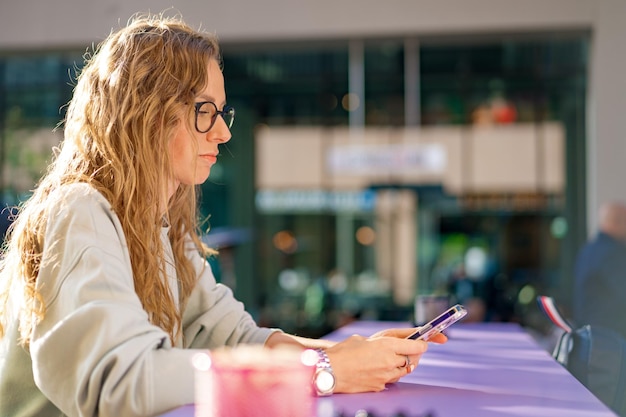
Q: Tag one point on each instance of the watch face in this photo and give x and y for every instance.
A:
(324, 381)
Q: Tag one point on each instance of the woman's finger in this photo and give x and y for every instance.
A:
(399, 333)
(438, 338)
(403, 333)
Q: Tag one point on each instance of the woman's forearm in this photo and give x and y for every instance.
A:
(279, 338)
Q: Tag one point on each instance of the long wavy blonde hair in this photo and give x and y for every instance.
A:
(128, 99)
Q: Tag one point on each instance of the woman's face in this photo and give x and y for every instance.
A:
(193, 153)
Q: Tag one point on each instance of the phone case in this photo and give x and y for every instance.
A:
(440, 323)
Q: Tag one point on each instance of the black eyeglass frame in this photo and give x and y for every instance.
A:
(227, 110)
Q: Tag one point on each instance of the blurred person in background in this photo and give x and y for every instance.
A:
(600, 271)
(105, 292)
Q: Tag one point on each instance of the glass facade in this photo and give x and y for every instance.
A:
(33, 91)
(526, 241)
(290, 86)
(541, 79)
(383, 64)
(311, 268)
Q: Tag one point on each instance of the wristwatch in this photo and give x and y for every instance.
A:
(324, 378)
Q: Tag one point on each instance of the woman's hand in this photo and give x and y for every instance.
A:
(404, 333)
(367, 364)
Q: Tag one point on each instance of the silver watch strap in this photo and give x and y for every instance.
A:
(323, 361)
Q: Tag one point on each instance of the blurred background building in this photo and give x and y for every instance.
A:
(382, 150)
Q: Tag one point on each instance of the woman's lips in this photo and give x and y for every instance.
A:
(212, 158)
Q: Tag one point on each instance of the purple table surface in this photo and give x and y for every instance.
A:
(484, 370)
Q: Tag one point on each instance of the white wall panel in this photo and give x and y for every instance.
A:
(37, 23)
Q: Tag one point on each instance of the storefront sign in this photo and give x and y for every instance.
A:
(314, 201)
(394, 158)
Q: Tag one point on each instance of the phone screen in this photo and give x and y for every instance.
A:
(439, 323)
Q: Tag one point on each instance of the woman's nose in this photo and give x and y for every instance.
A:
(220, 131)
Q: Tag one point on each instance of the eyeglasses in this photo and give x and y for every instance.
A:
(206, 115)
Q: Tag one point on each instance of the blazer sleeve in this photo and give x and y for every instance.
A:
(95, 352)
(213, 317)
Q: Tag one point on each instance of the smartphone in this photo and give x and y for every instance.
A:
(440, 323)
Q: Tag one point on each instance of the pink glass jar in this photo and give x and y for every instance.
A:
(252, 381)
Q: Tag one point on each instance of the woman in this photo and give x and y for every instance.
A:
(106, 291)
